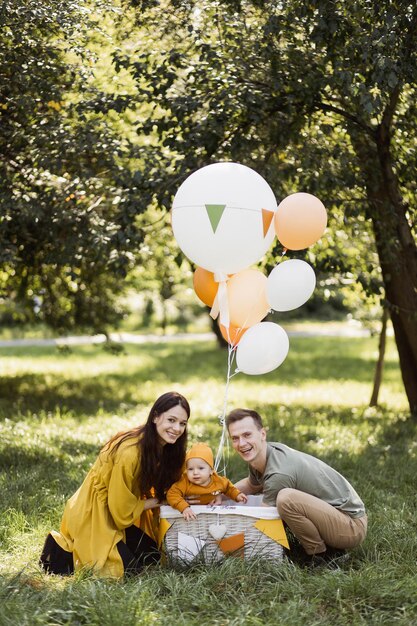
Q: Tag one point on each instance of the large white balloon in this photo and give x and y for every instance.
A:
(222, 217)
(290, 284)
(262, 348)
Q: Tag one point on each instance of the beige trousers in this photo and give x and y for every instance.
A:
(317, 524)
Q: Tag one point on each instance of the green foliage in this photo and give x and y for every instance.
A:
(163, 277)
(58, 409)
(68, 210)
(317, 97)
(238, 89)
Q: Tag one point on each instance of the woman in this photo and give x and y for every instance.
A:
(108, 524)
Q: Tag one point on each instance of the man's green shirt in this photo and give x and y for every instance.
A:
(286, 467)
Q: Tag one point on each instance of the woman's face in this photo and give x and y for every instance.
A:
(171, 424)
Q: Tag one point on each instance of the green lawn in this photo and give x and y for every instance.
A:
(57, 408)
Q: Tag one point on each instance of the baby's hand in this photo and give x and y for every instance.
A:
(242, 498)
(217, 500)
(188, 514)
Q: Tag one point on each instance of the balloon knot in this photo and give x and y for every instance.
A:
(220, 277)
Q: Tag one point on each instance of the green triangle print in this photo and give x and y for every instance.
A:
(215, 212)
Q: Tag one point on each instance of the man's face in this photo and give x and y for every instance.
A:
(247, 439)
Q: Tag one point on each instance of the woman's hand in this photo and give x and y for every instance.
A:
(151, 503)
(192, 499)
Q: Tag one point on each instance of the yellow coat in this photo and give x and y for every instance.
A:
(107, 502)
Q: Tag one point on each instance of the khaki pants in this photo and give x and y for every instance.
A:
(317, 524)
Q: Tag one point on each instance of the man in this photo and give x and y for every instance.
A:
(318, 504)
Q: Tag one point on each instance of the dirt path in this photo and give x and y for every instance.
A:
(316, 331)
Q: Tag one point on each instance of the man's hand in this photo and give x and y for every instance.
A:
(188, 514)
(246, 487)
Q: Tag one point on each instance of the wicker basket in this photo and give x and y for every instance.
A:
(199, 540)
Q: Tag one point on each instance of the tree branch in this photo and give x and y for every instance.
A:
(348, 116)
(409, 47)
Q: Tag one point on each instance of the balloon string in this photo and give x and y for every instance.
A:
(231, 353)
(220, 455)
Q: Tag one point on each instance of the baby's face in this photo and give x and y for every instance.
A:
(199, 472)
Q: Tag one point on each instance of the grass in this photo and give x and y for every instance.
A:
(58, 407)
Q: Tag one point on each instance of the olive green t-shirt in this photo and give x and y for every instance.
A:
(286, 467)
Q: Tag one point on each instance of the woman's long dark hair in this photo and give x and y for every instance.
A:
(160, 466)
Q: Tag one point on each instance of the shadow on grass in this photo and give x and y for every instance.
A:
(53, 460)
(120, 384)
(62, 463)
(383, 472)
(33, 477)
(36, 393)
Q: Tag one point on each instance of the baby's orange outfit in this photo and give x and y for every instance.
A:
(183, 488)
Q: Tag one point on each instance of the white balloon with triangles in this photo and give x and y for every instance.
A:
(222, 217)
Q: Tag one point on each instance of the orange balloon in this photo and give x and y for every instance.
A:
(246, 292)
(205, 286)
(300, 221)
(233, 334)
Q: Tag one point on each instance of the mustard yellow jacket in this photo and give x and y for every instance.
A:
(218, 484)
(96, 516)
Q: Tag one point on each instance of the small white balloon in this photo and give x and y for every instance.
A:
(290, 285)
(222, 217)
(262, 348)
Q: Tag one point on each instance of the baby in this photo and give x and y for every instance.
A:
(201, 481)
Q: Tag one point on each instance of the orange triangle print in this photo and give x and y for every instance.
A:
(233, 545)
(267, 217)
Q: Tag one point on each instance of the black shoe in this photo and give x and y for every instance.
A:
(337, 553)
(315, 561)
(330, 559)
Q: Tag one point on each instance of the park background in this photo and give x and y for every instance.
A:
(106, 107)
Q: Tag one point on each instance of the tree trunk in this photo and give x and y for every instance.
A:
(380, 363)
(396, 249)
(215, 328)
(164, 318)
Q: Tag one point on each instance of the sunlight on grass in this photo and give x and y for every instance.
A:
(57, 409)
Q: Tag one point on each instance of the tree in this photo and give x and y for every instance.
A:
(380, 363)
(163, 275)
(317, 96)
(68, 207)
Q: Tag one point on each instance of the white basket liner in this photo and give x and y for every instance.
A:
(230, 507)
